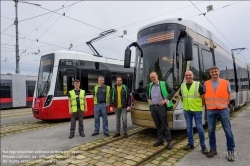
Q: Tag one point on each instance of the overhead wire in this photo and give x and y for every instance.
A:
(8, 18)
(49, 12)
(35, 40)
(20, 63)
(130, 24)
(43, 22)
(7, 28)
(215, 27)
(122, 26)
(215, 9)
(48, 28)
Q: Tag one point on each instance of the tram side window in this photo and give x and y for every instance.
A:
(194, 64)
(243, 85)
(208, 62)
(64, 83)
(222, 65)
(89, 81)
(5, 91)
(126, 79)
(31, 89)
(230, 74)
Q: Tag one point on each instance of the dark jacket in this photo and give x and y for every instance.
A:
(125, 97)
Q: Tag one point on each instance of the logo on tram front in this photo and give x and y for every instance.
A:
(37, 103)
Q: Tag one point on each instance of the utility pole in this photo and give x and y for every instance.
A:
(17, 38)
(17, 42)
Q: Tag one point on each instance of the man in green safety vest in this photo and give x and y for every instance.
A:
(120, 98)
(77, 107)
(191, 93)
(101, 101)
(159, 102)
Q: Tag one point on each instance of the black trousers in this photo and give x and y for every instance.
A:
(159, 114)
(80, 115)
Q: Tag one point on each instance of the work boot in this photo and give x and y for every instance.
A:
(71, 135)
(211, 153)
(82, 135)
(106, 134)
(204, 150)
(169, 146)
(158, 143)
(230, 156)
(94, 134)
(188, 147)
(116, 135)
(125, 135)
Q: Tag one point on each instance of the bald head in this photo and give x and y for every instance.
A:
(189, 76)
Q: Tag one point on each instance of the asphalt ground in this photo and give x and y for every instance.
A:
(241, 131)
(54, 138)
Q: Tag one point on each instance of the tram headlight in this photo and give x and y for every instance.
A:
(48, 101)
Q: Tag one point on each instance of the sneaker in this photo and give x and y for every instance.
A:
(158, 143)
(82, 135)
(169, 146)
(125, 135)
(71, 136)
(204, 150)
(116, 135)
(188, 147)
(107, 134)
(211, 153)
(230, 156)
(94, 134)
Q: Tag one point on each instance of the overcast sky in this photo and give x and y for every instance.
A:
(93, 17)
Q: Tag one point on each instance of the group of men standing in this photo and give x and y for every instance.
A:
(118, 96)
(215, 95)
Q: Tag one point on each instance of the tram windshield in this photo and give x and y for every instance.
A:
(45, 75)
(159, 55)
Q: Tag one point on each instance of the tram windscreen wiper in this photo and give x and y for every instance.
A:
(170, 70)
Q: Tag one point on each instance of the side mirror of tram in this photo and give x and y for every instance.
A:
(188, 41)
(127, 58)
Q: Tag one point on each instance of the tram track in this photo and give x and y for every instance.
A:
(137, 149)
(15, 128)
(15, 112)
(144, 161)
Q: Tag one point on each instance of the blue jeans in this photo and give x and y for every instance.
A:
(101, 108)
(212, 116)
(189, 115)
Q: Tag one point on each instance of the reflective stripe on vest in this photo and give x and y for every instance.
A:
(73, 100)
(218, 99)
(191, 98)
(107, 94)
(164, 92)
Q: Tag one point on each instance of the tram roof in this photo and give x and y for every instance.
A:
(194, 26)
(111, 64)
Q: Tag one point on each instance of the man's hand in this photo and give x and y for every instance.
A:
(70, 112)
(163, 102)
(111, 109)
(86, 110)
(150, 101)
(128, 108)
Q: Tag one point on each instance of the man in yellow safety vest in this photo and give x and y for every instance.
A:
(77, 106)
(191, 93)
